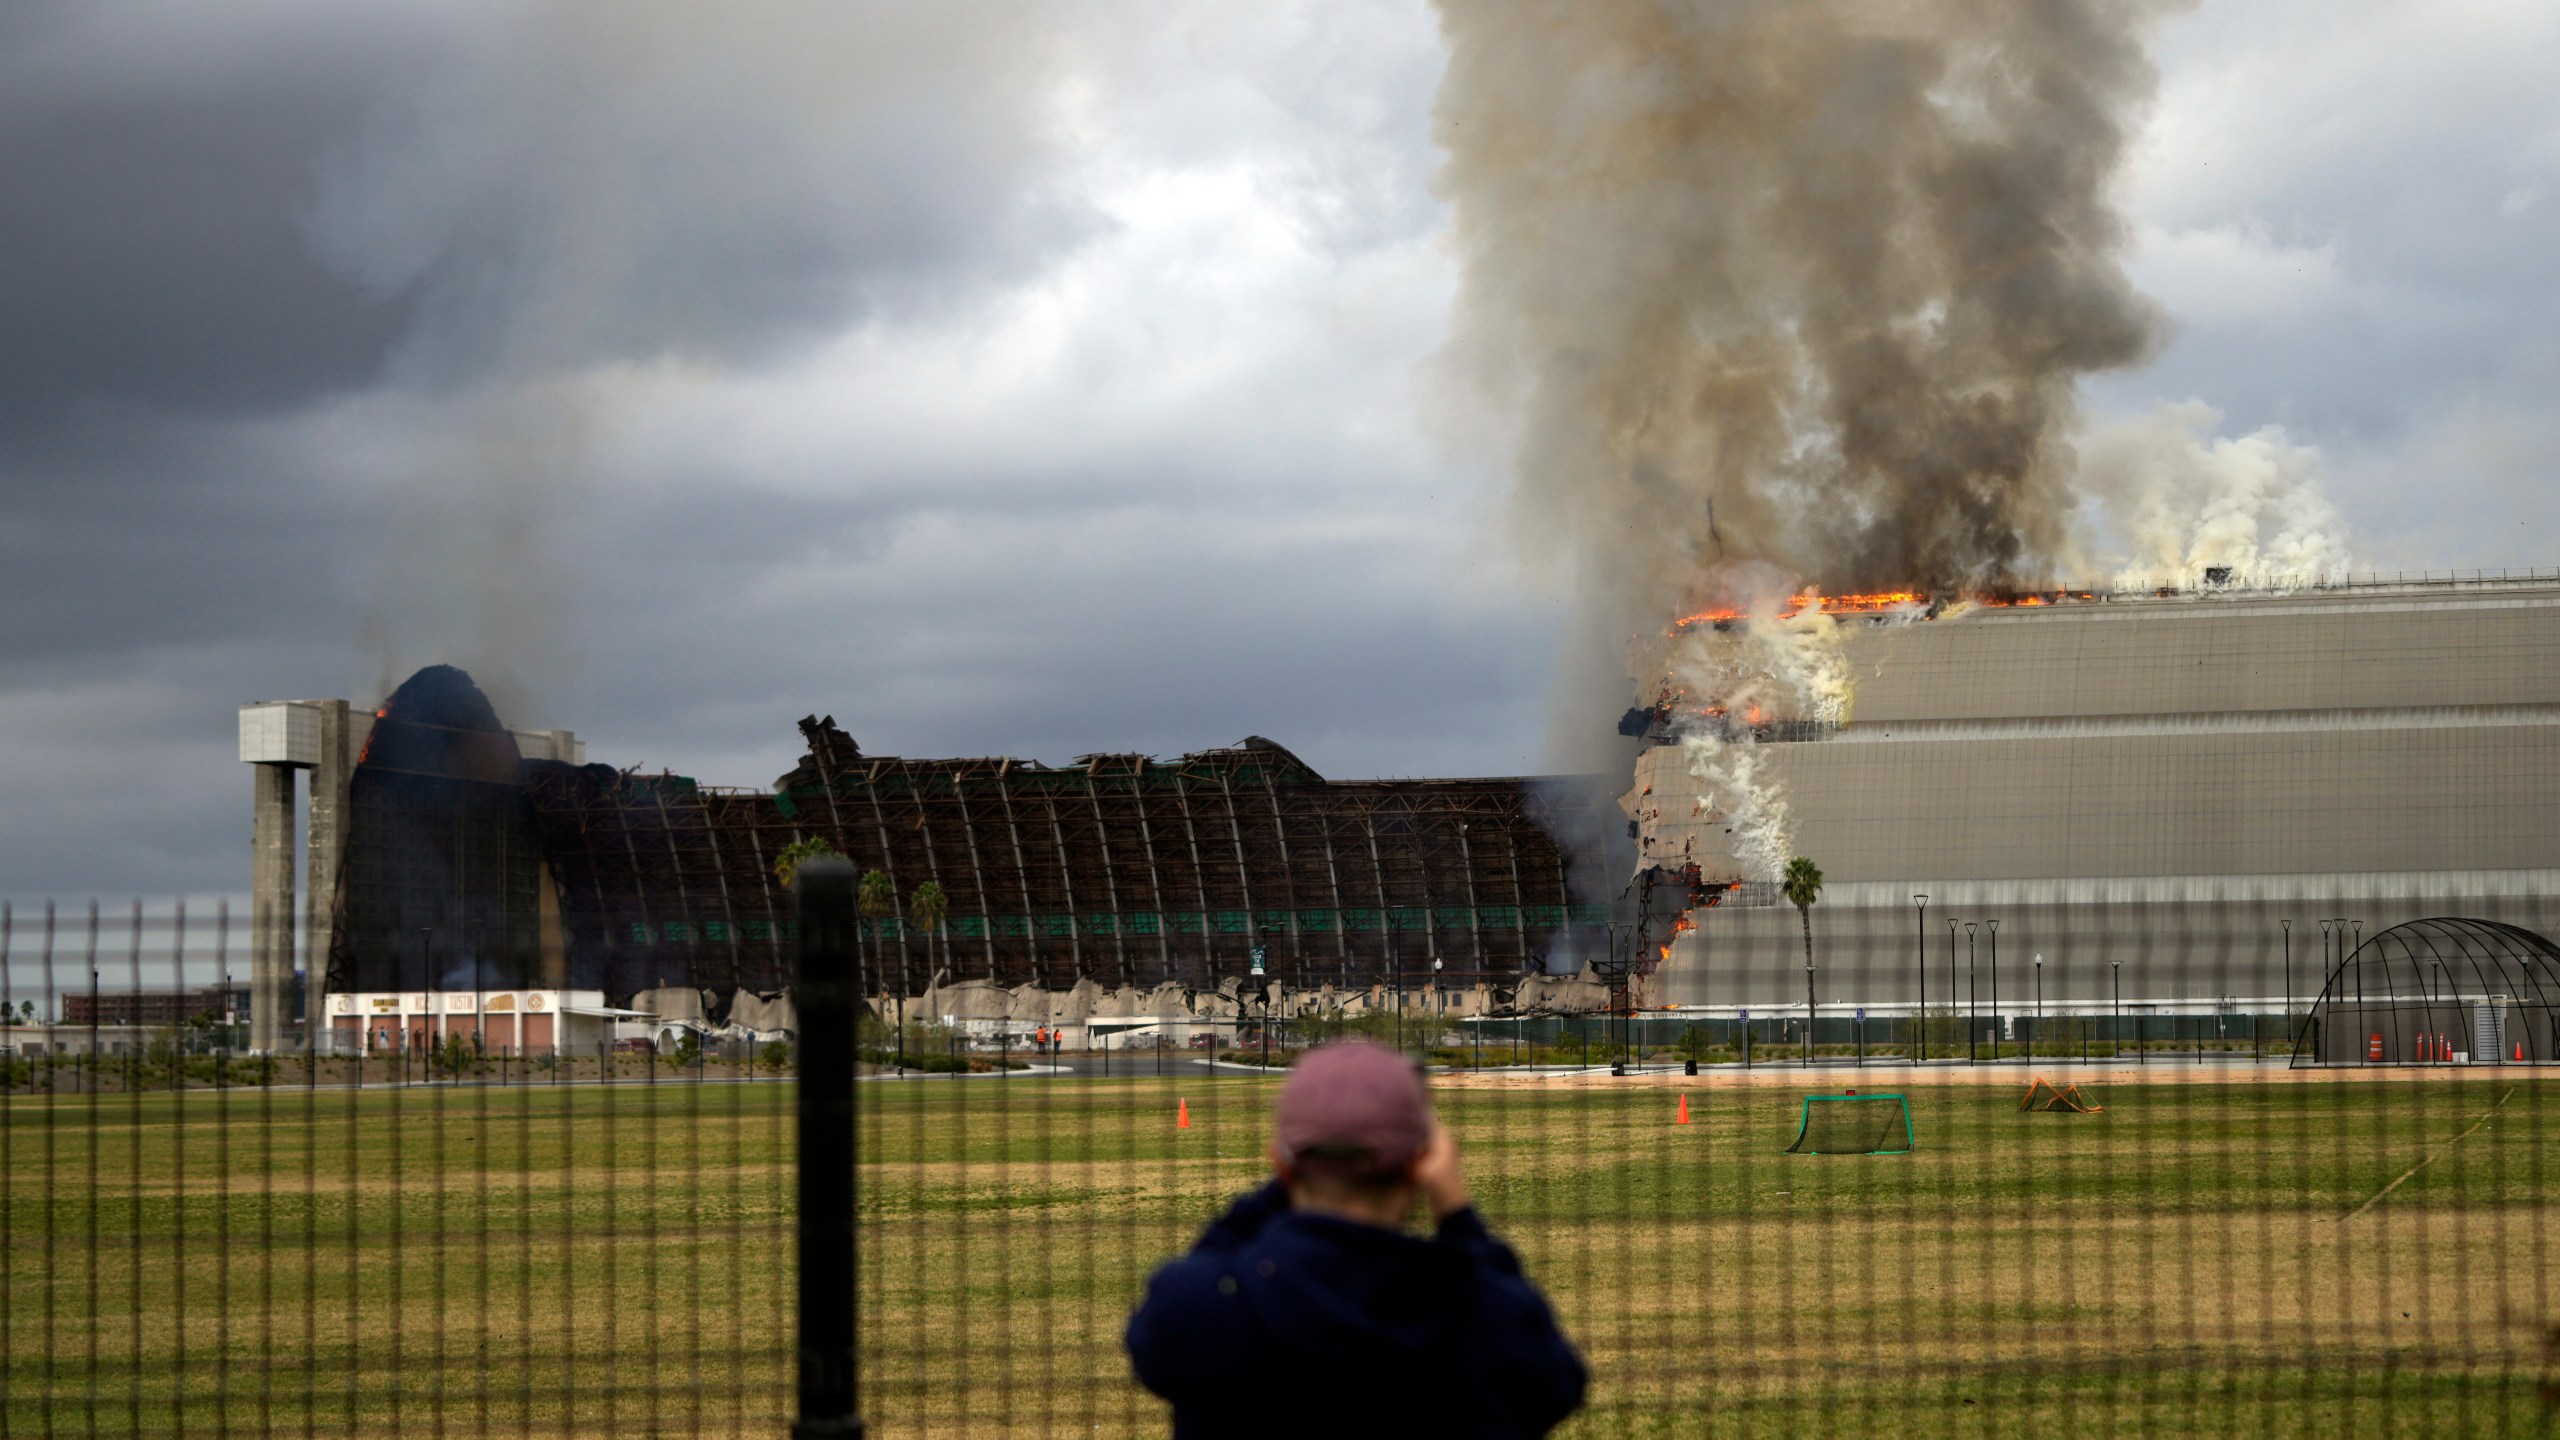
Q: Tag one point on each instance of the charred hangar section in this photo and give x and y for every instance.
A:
(1121, 869)
(442, 884)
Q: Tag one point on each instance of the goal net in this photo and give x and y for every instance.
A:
(1854, 1125)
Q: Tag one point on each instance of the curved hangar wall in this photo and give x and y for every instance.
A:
(2156, 781)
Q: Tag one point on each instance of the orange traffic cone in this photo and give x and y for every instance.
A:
(1182, 1116)
(2519, 1052)
(1684, 1110)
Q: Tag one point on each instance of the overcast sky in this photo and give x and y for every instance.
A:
(1001, 379)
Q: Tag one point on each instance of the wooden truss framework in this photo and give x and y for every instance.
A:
(1121, 869)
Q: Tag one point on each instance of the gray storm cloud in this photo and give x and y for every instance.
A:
(581, 200)
(1803, 286)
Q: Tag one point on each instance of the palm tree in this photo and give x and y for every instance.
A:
(807, 848)
(874, 900)
(1802, 885)
(929, 907)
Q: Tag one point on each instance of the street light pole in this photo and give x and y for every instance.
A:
(2325, 967)
(2000, 1027)
(1435, 1003)
(1972, 992)
(2039, 1035)
(1808, 1014)
(1619, 958)
(2115, 1039)
(1920, 1012)
(1952, 925)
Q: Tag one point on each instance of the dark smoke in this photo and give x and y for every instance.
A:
(1802, 282)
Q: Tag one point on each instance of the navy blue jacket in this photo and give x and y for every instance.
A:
(1282, 1323)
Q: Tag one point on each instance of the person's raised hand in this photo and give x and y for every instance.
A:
(1436, 1174)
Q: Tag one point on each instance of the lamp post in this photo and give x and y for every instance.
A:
(1619, 960)
(426, 979)
(2352, 930)
(1999, 1027)
(2325, 968)
(1808, 1014)
(1395, 977)
(1435, 1007)
(1920, 1012)
(2115, 1037)
(2039, 1033)
(1972, 993)
(1952, 926)
(2288, 980)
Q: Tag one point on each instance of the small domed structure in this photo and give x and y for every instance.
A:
(2439, 991)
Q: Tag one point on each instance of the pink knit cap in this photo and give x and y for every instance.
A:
(1354, 1109)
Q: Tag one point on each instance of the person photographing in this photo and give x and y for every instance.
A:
(1308, 1308)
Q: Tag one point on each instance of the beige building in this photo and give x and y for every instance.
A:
(501, 1022)
(2141, 790)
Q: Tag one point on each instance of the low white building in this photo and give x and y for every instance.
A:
(505, 1022)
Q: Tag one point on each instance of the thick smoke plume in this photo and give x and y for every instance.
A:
(1802, 282)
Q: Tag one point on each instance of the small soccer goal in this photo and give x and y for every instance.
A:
(2044, 1095)
(1854, 1125)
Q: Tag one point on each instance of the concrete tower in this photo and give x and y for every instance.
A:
(277, 738)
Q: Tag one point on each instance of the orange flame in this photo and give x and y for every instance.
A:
(1829, 605)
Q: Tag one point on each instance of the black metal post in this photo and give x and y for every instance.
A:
(1952, 926)
(1922, 1013)
(824, 980)
(1808, 1014)
(1998, 1026)
(2115, 1034)
(1972, 993)
(1435, 1007)
(2038, 1036)
(1395, 977)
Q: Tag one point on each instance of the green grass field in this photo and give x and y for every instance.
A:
(2203, 1258)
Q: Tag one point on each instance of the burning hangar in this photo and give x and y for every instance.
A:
(2191, 801)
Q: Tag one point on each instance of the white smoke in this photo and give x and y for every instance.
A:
(2181, 502)
(1749, 798)
(1765, 666)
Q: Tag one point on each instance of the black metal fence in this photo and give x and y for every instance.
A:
(943, 1232)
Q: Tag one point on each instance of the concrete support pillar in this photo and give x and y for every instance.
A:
(270, 906)
(324, 852)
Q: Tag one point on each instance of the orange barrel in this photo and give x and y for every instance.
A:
(2373, 1047)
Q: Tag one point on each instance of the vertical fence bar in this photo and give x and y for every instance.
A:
(824, 986)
